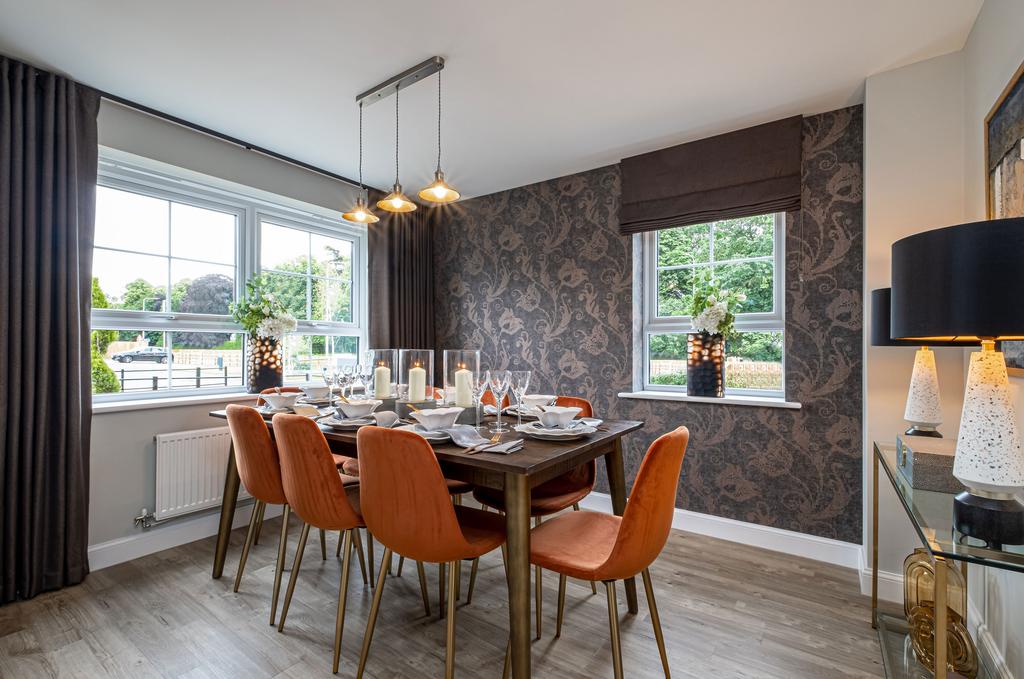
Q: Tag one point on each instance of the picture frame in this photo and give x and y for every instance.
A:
(1004, 176)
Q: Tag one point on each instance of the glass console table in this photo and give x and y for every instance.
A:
(931, 514)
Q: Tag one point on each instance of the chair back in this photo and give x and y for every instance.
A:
(648, 517)
(404, 497)
(586, 410)
(308, 473)
(271, 390)
(255, 454)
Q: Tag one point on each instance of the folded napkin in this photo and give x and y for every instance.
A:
(490, 410)
(504, 448)
(385, 418)
(465, 435)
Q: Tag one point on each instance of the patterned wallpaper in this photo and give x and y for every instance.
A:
(539, 278)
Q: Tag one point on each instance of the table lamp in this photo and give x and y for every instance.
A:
(965, 284)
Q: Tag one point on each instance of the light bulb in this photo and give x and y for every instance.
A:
(360, 215)
(439, 191)
(396, 202)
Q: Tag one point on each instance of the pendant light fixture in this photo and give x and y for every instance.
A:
(396, 201)
(439, 191)
(360, 212)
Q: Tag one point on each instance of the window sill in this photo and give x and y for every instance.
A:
(756, 401)
(104, 407)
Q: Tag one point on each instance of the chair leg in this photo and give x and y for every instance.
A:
(341, 538)
(508, 660)
(369, 554)
(441, 571)
(423, 587)
(259, 525)
(449, 657)
(538, 590)
(323, 545)
(359, 552)
(374, 609)
(282, 549)
(295, 573)
(339, 621)
(593, 585)
(613, 624)
(472, 581)
(655, 620)
(249, 536)
(401, 562)
(561, 605)
(458, 580)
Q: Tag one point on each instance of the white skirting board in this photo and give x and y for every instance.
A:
(172, 534)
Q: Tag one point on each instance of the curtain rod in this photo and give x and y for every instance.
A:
(142, 108)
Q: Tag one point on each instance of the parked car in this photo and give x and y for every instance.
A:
(155, 354)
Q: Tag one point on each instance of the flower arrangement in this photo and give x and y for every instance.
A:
(261, 313)
(713, 310)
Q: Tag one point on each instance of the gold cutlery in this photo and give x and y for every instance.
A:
(494, 440)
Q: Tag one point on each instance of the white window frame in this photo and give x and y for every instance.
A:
(125, 171)
(652, 324)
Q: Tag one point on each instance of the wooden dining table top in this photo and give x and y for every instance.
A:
(539, 460)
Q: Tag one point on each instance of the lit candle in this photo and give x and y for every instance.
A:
(463, 387)
(382, 381)
(417, 384)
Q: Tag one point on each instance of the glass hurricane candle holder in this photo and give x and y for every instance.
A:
(705, 365)
(416, 374)
(461, 368)
(384, 363)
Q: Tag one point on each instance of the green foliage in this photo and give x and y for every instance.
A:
(209, 294)
(259, 305)
(141, 295)
(712, 307)
(756, 346)
(104, 381)
(100, 339)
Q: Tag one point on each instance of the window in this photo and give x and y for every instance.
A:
(173, 251)
(744, 254)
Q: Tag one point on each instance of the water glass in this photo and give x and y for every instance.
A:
(480, 383)
(498, 385)
(519, 383)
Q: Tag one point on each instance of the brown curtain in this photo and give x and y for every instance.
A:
(738, 174)
(402, 280)
(48, 155)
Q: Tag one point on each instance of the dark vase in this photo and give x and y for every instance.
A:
(265, 368)
(705, 365)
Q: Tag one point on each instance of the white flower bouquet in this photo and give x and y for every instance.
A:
(261, 313)
(713, 310)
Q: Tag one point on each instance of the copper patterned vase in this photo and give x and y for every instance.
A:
(265, 367)
(705, 364)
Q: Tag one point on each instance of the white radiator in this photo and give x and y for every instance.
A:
(190, 471)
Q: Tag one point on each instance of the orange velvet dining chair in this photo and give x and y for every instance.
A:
(405, 503)
(601, 547)
(317, 494)
(551, 497)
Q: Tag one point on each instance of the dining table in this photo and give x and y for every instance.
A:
(514, 474)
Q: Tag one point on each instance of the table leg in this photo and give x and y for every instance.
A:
(617, 486)
(874, 541)
(517, 523)
(941, 616)
(227, 512)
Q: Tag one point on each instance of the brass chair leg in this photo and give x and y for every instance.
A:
(441, 572)
(282, 548)
(472, 581)
(295, 573)
(593, 585)
(449, 657)
(369, 554)
(561, 605)
(249, 535)
(613, 624)
(458, 580)
(374, 609)
(538, 590)
(323, 545)
(423, 587)
(359, 552)
(508, 660)
(259, 524)
(655, 620)
(341, 538)
(401, 562)
(339, 621)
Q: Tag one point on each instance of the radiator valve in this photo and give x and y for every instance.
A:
(144, 519)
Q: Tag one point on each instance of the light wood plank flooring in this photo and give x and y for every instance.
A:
(727, 611)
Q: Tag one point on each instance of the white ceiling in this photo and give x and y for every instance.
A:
(534, 89)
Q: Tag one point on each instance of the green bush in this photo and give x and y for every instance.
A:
(104, 381)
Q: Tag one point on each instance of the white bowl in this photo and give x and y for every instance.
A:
(437, 418)
(558, 416)
(532, 401)
(280, 401)
(356, 409)
(316, 392)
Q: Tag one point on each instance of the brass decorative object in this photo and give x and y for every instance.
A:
(705, 364)
(266, 368)
(919, 607)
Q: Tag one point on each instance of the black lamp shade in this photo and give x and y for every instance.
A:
(960, 283)
(881, 320)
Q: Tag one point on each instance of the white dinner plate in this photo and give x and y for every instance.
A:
(318, 402)
(535, 430)
(346, 424)
(431, 436)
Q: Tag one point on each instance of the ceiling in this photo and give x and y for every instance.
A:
(534, 89)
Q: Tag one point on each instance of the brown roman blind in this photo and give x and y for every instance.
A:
(737, 174)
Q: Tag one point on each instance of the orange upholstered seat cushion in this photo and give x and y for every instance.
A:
(483, 531)
(576, 544)
(458, 487)
(549, 497)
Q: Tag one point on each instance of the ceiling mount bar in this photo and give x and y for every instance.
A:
(408, 77)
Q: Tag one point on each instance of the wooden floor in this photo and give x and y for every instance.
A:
(727, 610)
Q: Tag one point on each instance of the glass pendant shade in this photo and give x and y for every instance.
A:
(396, 201)
(360, 213)
(439, 191)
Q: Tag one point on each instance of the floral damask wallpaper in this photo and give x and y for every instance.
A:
(539, 278)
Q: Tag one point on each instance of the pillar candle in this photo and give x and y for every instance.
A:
(382, 381)
(463, 388)
(417, 384)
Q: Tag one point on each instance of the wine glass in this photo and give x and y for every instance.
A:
(499, 387)
(346, 378)
(519, 382)
(480, 382)
(329, 380)
(365, 376)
